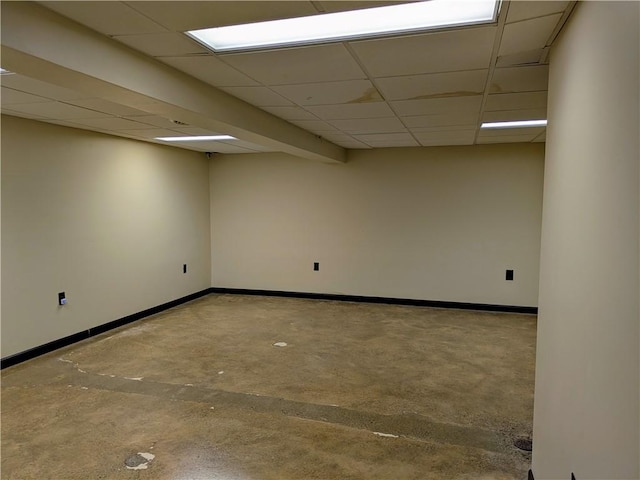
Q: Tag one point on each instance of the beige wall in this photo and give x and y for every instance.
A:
(423, 223)
(110, 221)
(587, 367)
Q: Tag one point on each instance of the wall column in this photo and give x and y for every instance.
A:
(586, 415)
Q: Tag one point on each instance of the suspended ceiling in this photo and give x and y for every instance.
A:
(127, 68)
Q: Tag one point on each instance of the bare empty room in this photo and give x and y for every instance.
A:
(320, 240)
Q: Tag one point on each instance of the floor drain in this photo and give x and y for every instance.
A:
(524, 443)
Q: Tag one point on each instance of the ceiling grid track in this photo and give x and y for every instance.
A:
(502, 21)
(139, 12)
(375, 84)
(565, 16)
(432, 87)
(541, 134)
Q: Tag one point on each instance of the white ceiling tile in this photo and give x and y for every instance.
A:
(385, 140)
(441, 129)
(194, 131)
(527, 35)
(352, 110)
(330, 93)
(520, 79)
(288, 66)
(110, 18)
(513, 101)
(290, 113)
(523, 58)
(447, 51)
(9, 96)
(436, 85)
(512, 115)
(315, 126)
(449, 137)
(509, 132)
(258, 96)
(442, 120)
(370, 125)
(210, 69)
(57, 110)
(434, 81)
(43, 89)
(438, 105)
(341, 6)
(104, 106)
(525, 9)
(506, 139)
(190, 15)
(166, 44)
(113, 123)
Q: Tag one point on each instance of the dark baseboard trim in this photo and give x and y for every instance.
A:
(386, 300)
(76, 337)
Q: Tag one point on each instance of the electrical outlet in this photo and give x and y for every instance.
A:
(62, 299)
(509, 275)
(316, 266)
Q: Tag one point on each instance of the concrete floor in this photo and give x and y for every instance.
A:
(360, 391)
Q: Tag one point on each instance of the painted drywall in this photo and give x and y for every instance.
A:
(587, 367)
(107, 220)
(440, 223)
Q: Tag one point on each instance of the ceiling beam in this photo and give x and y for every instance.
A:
(41, 44)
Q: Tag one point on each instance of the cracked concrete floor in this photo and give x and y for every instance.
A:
(202, 391)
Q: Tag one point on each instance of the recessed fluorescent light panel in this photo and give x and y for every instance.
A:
(355, 24)
(518, 124)
(199, 138)
(5, 72)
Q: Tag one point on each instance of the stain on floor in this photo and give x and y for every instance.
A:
(367, 391)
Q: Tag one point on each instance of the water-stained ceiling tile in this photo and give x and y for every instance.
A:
(436, 85)
(330, 93)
